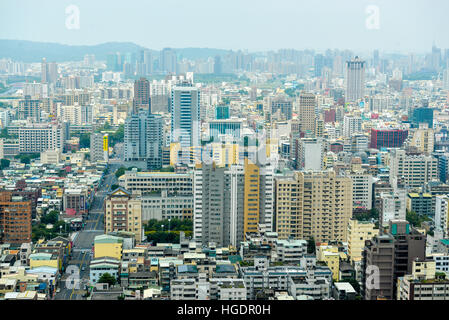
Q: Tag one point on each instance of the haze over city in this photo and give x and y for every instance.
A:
(404, 26)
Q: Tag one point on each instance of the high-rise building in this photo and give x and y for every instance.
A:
(351, 125)
(358, 233)
(307, 112)
(378, 255)
(412, 170)
(280, 108)
(423, 139)
(123, 212)
(15, 219)
(185, 118)
(144, 63)
(310, 154)
(39, 137)
(52, 76)
(446, 79)
(318, 64)
(387, 138)
(355, 80)
(393, 255)
(409, 244)
(114, 62)
(49, 71)
(230, 202)
(362, 190)
(99, 147)
(218, 68)
(168, 61)
(375, 58)
(141, 99)
(144, 139)
(422, 115)
(393, 206)
(313, 205)
(441, 217)
(44, 70)
(29, 109)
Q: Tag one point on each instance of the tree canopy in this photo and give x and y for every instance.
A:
(85, 140)
(107, 278)
(416, 219)
(174, 224)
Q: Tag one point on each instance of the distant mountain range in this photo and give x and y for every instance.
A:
(30, 51)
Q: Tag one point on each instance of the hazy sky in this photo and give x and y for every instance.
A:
(404, 25)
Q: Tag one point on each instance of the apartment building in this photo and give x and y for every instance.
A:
(423, 139)
(313, 204)
(231, 202)
(123, 212)
(39, 137)
(99, 147)
(441, 218)
(412, 170)
(75, 201)
(362, 190)
(358, 233)
(213, 289)
(261, 277)
(378, 264)
(289, 251)
(441, 261)
(318, 288)
(423, 283)
(307, 112)
(15, 219)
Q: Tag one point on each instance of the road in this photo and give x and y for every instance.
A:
(83, 243)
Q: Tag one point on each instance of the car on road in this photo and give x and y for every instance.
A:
(83, 268)
(58, 290)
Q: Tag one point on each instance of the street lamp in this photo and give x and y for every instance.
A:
(60, 228)
(169, 224)
(162, 228)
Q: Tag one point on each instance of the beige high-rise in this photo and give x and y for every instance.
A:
(122, 212)
(307, 116)
(313, 204)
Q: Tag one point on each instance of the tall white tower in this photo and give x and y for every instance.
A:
(355, 79)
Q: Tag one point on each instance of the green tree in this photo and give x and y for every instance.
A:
(174, 225)
(119, 135)
(85, 140)
(163, 237)
(4, 133)
(416, 219)
(120, 172)
(107, 278)
(311, 245)
(355, 284)
(291, 92)
(25, 160)
(4, 163)
(51, 218)
(368, 215)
